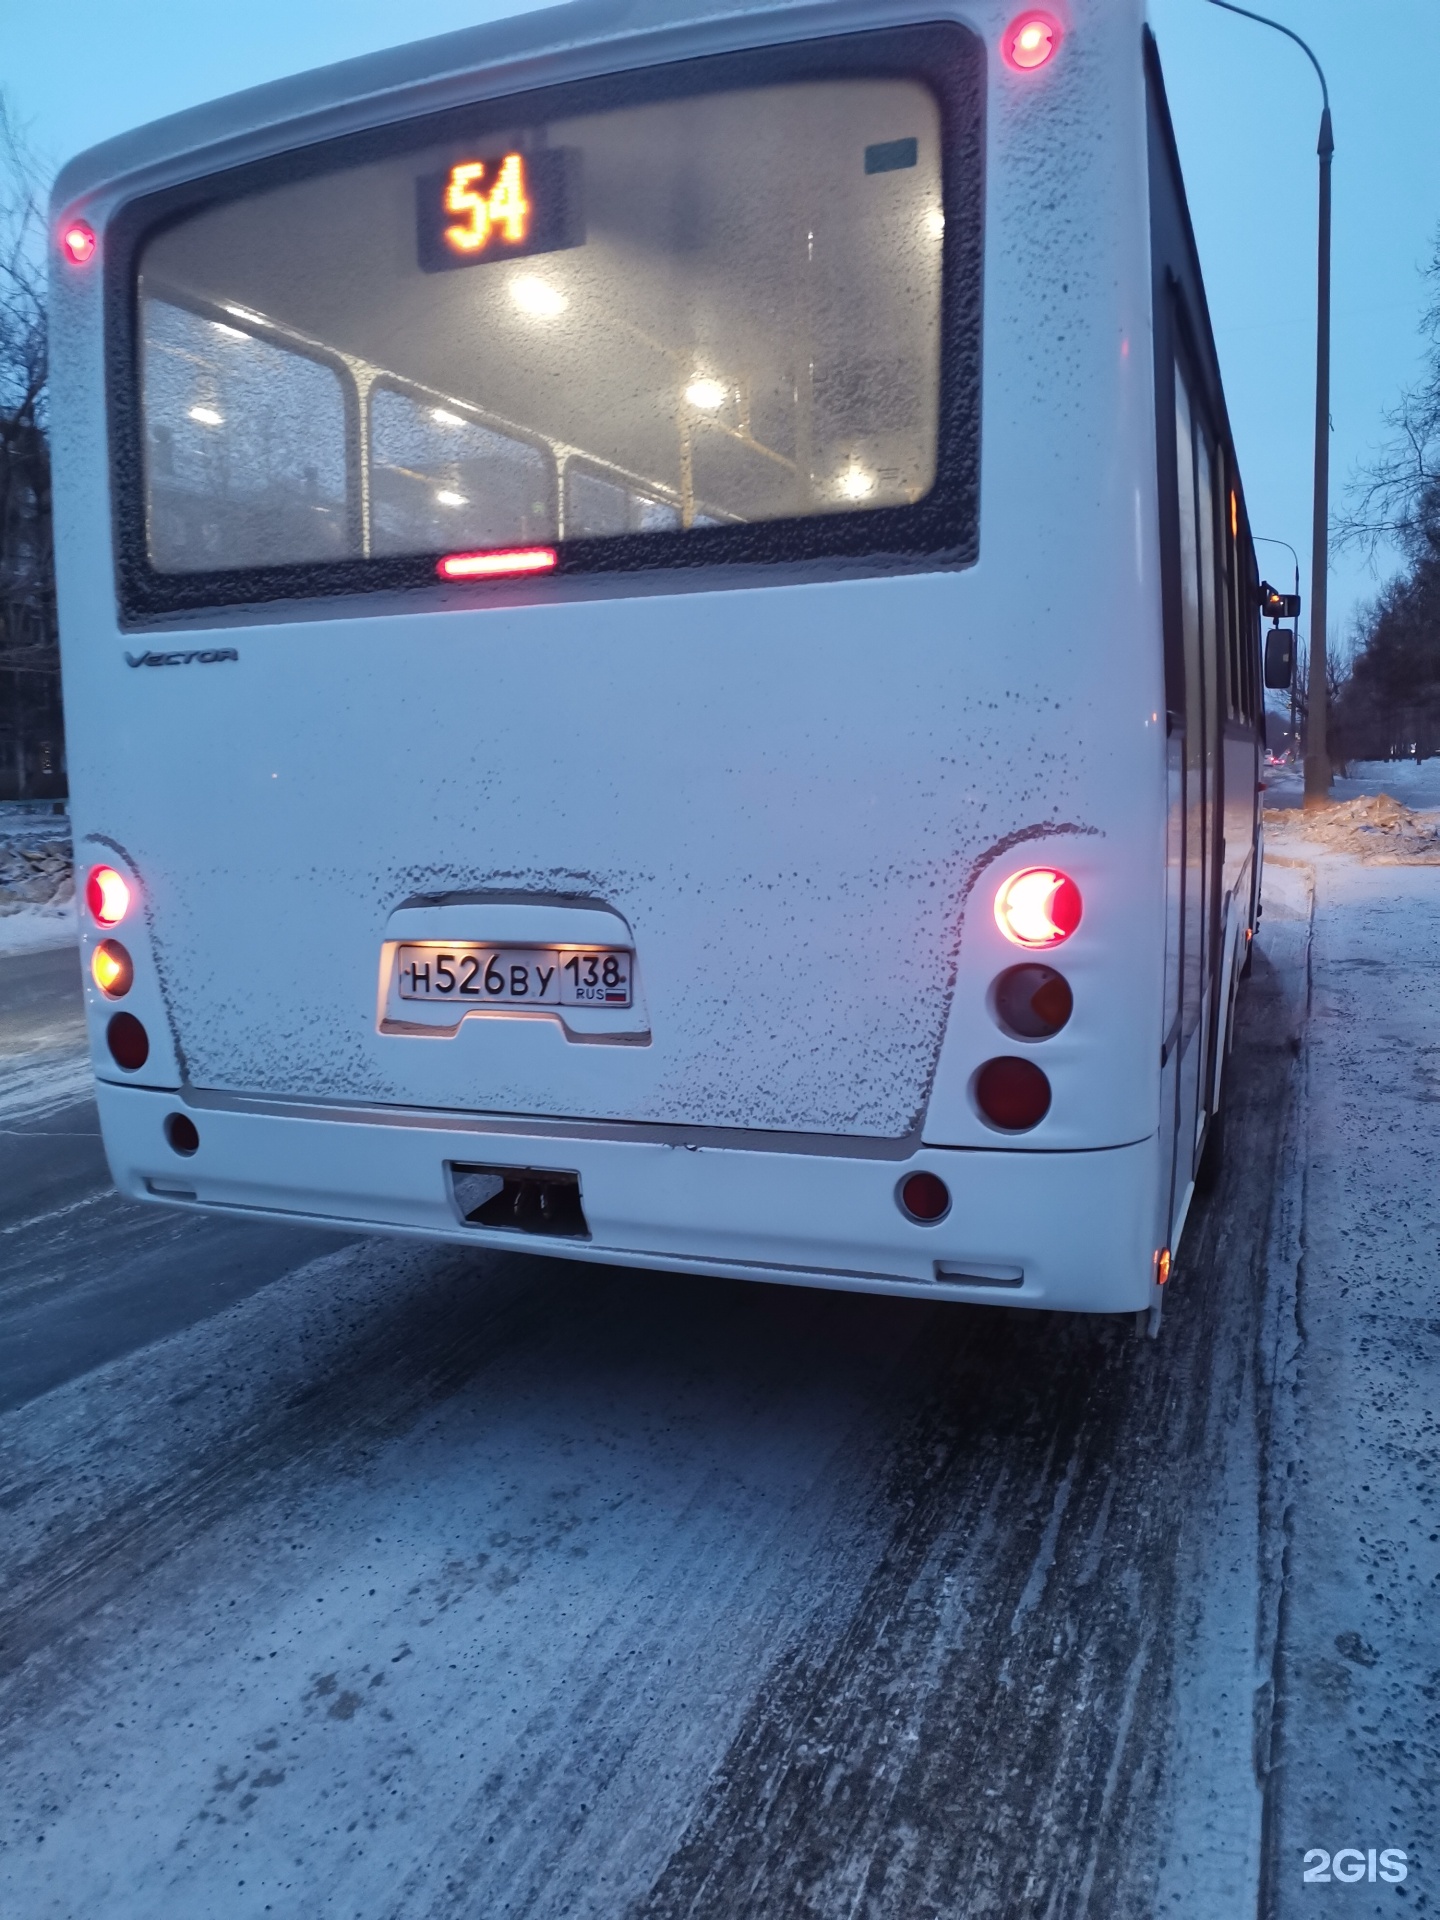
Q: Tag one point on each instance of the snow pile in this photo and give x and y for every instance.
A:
(37, 882)
(1375, 827)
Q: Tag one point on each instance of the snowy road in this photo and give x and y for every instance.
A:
(348, 1579)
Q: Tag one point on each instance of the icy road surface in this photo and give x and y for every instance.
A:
(338, 1579)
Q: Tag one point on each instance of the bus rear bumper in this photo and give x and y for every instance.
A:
(1071, 1231)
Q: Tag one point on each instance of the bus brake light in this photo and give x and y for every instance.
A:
(495, 566)
(1030, 41)
(1038, 907)
(107, 894)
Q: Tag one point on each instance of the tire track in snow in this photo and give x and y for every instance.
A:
(991, 1727)
(900, 1624)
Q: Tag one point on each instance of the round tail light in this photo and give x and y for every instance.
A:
(1032, 1002)
(128, 1042)
(1038, 907)
(1012, 1094)
(181, 1133)
(107, 894)
(112, 969)
(924, 1197)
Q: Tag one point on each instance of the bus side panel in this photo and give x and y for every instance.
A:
(1070, 518)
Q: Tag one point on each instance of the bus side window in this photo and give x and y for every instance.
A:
(597, 505)
(441, 478)
(245, 457)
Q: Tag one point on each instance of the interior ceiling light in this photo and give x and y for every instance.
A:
(207, 416)
(537, 297)
(449, 498)
(856, 483)
(1030, 41)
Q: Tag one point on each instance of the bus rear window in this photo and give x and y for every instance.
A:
(651, 322)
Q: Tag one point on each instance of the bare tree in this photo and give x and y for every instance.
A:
(1395, 498)
(31, 749)
(1389, 705)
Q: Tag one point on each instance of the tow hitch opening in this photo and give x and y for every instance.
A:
(520, 1200)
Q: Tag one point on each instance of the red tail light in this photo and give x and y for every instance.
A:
(108, 896)
(128, 1042)
(495, 566)
(924, 1197)
(1038, 907)
(1030, 41)
(1012, 1094)
(78, 242)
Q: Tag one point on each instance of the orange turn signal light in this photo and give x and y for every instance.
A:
(112, 969)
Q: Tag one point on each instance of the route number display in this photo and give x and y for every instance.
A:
(499, 206)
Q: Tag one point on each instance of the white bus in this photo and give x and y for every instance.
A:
(660, 647)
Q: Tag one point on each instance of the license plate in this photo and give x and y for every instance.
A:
(475, 976)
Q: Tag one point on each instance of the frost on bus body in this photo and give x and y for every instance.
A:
(571, 510)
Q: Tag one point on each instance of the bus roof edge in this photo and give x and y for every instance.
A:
(224, 129)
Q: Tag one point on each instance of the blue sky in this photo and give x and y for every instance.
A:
(1246, 107)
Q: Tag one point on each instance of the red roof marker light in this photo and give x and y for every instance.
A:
(496, 566)
(1030, 41)
(78, 242)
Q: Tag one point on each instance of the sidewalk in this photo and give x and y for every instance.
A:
(1356, 1762)
(1412, 785)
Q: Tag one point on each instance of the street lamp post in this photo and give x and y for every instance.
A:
(1317, 752)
